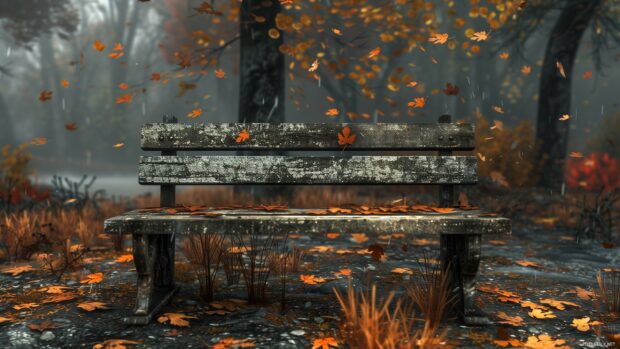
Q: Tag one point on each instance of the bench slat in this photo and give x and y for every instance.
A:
(307, 170)
(307, 136)
(139, 223)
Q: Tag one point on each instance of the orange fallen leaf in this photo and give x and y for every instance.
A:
(544, 341)
(332, 235)
(540, 314)
(116, 55)
(194, 113)
(374, 52)
(314, 66)
(564, 117)
(243, 136)
(220, 73)
(584, 294)
(311, 279)
(176, 319)
(42, 326)
(5, 319)
(123, 86)
(118, 145)
(412, 84)
(59, 298)
(155, 76)
(575, 154)
(124, 98)
(54, 289)
(480, 36)
(15, 271)
(64, 83)
(332, 112)
(324, 343)
(343, 272)
(39, 141)
(443, 209)
(584, 324)
(92, 305)
(94, 278)
(45, 95)
(587, 75)
(510, 320)
(115, 344)
(526, 70)
(345, 137)
(118, 47)
(418, 102)
(498, 109)
(438, 38)
(559, 305)
(99, 46)
(25, 306)
(400, 270)
(359, 237)
(525, 263)
(504, 55)
(124, 258)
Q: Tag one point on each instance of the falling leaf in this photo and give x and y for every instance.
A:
(418, 102)
(345, 137)
(124, 98)
(314, 66)
(194, 113)
(45, 95)
(359, 237)
(564, 117)
(482, 157)
(243, 136)
(332, 112)
(510, 320)
(220, 73)
(126, 258)
(118, 47)
(39, 141)
(526, 70)
(118, 145)
(123, 86)
(42, 326)
(575, 154)
(540, 314)
(480, 36)
(71, 126)
(15, 271)
(155, 76)
(99, 46)
(560, 67)
(311, 279)
(92, 305)
(176, 319)
(504, 55)
(94, 278)
(115, 344)
(25, 306)
(451, 90)
(324, 343)
(64, 83)
(374, 52)
(337, 31)
(412, 84)
(587, 75)
(438, 38)
(116, 55)
(497, 125)
(343, 272)
(498, 109)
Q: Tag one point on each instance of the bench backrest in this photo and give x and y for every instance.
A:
(345, 168)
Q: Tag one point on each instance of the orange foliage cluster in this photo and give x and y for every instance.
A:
(15, 185)
(597, 171)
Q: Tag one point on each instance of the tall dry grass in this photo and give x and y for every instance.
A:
(370, 323)
(204, 251)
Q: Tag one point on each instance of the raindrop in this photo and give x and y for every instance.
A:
(602, 109)
(63, 103)
(8, 51)
(319, 81)
(143, 108)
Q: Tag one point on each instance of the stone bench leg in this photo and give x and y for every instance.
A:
(153, 257)
(461, 254)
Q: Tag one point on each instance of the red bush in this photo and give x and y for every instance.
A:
(595, 172)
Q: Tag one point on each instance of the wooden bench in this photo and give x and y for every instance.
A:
(154, 232)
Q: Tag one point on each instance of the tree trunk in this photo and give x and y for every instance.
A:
(261, 93)
(555, 90)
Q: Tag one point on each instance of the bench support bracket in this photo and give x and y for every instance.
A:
(461, 255)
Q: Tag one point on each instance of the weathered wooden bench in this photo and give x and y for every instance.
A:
(154, 233)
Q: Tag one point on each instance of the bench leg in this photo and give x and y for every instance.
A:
(461, 253)
(155, 288)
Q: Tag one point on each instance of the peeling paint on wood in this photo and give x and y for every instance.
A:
(307, 136)
(307, 170)
(295, 221)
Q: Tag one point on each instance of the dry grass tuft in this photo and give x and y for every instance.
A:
(372, 324)
(204, 251)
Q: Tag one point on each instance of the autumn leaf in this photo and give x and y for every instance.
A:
(544, 341)
(116, 55)
(39, 141)
(124, 258)
(345, 137)
(54, 289)
(480, 36)
(587, 75)
(220, 73)
(118, 145)
(559, 305)
(510, 320)
(359, 237)
(525, 263)
(564, 117)
(243, 136)
(42, 326)
(123, 86)
(332, 112)
(343, 272)
(498, 109)
(314, 66)
(311, 279)
(324, 343)
(584, 294)
(418, 102)
(118, 47)
(115, 344)
(71, 126)
(59, 297)
(442, 209)
(45, 95)
(412, 84)
(124, 98)
(99, 46)
(332, 235)
(584, 324)
(560, 67)
(155, 76)
(64, 83)
(451, 90)
(374, 52)
(504, 55)
(526, 70)
(540, 314)
(15, 271)
(400, 270)
(575, 154)
(94, 278)
(92, 305)
(194, 113)
(25, 306)
(5, 319)
(438, 38)
(481, 157)
(176, 319)
(337, 31)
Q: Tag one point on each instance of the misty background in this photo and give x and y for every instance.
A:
(151, 32)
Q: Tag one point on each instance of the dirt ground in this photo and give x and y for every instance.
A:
(533, 264)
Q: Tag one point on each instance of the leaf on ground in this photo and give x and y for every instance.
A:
(126, 258)
(332, 235)
(243, 136)
(42, 326)
(510, 320)
(540, 314)
(176, 319)
(324, 343)
(343, 272)
(401, 270)
(359, 237)
(438, 38)
(584, 294)
(525, 263)
(584, 324)
(418, 102)
(92, 305)
(94, 278)
(544, 341)
(25, 306)
(311, 279)
(15, 271)
(532, 305)
(559, 305)
(59, 297)
(5, 319)
(115, 344)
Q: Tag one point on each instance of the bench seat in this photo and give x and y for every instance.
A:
(305, 221)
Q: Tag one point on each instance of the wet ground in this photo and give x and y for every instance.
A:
(535, 264)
